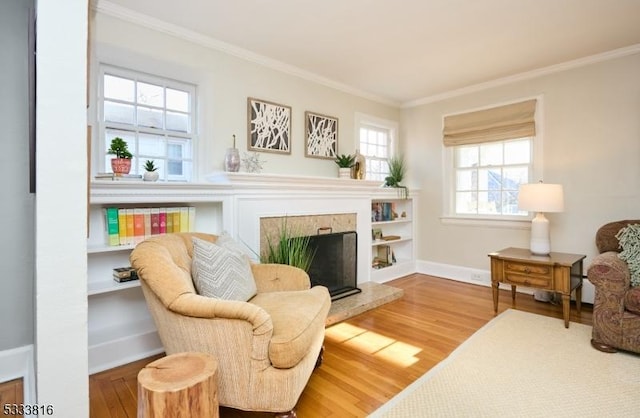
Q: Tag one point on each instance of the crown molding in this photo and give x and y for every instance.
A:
(581, 62)
(109, 8)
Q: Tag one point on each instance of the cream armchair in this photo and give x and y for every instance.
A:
(266, 348)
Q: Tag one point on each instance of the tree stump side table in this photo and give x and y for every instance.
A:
(179, 385)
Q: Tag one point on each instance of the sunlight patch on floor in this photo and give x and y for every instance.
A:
(369, 342)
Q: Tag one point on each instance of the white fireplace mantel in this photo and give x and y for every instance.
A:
(245, 198)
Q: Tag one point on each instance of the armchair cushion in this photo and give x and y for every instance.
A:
(220, 271)
(297, 316)
(632, 300)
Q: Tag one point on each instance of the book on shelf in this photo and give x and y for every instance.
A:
(184, 219)
(129, 226)
(391, 237)
(113, 232)
(138, 225)
(122, 226)
(118, 177)
(124, 274)
(146, 212)
(192, 219)
(175, 214)
(169, 218)
(155, 221)
(162, 221)
(384, 257)
(383, 211)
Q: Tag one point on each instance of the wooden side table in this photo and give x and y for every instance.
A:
(179, 385)
(556, 272)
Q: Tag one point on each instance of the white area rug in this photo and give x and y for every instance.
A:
(524, 365)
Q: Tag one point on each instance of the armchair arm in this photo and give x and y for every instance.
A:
(609, 274)
(193, 305)
(279, 277)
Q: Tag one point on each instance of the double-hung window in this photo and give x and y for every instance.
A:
(376, 139)
(154, 115)
(491, 153)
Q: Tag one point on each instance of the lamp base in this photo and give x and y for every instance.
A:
(540, 244)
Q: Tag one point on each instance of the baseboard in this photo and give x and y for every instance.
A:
(483, 277)
(110, 354)
(17, 363)
(461, 274)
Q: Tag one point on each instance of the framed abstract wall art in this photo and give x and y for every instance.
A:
(321, 134)
(268, 126)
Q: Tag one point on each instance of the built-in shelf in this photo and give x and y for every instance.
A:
(107, 286)
(389, 242)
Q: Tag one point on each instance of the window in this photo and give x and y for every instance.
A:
(488, 175)
(491, 152)
(376, 144)
(155, 116)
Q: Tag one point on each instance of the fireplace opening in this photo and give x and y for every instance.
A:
(335, 263)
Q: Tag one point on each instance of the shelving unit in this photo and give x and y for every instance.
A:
(118, 319)
(402, 247)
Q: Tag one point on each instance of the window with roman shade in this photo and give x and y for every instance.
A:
(491, 153)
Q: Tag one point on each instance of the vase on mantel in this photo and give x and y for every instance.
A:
(232, 158)
(359, 166)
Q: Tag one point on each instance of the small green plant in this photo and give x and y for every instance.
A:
(345, 160)
(397, 169)
(150, 166)
(120, 148)
(288, 249)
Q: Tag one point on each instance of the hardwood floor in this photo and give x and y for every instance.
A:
(368, 358)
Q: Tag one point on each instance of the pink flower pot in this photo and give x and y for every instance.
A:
(121, 165)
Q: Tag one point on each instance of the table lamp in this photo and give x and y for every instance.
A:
(540, 197)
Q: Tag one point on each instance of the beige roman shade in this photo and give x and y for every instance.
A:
(511, 121)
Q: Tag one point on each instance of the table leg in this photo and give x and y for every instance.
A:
(494, 288)
(579, 298)
(566, 299)
(513, 296)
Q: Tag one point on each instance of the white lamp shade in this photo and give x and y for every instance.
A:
(541, 197)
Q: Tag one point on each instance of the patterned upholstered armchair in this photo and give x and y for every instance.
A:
(616, 310)
(266, 347)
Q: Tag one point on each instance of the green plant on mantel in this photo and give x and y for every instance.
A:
(345, 160)
(288, 249)
(397, 170)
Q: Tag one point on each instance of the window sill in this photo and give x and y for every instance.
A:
(487, 222)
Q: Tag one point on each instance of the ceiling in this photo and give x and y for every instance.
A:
(402, 51)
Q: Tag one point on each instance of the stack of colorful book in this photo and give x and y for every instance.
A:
(129, 226)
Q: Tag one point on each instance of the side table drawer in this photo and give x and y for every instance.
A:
(529, 275)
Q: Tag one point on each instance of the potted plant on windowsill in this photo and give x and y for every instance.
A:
(122, 163)
(150, 171)
(345, 162)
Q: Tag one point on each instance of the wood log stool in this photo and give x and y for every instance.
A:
(179, 385)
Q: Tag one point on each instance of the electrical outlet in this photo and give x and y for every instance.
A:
(476, 277)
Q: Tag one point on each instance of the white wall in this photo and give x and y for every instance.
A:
(225, 82)
(17, 209)
(61, 210)
(591, 130)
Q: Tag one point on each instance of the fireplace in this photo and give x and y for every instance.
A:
(335, 263)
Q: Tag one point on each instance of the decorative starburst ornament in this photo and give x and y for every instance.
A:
(252, 162)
